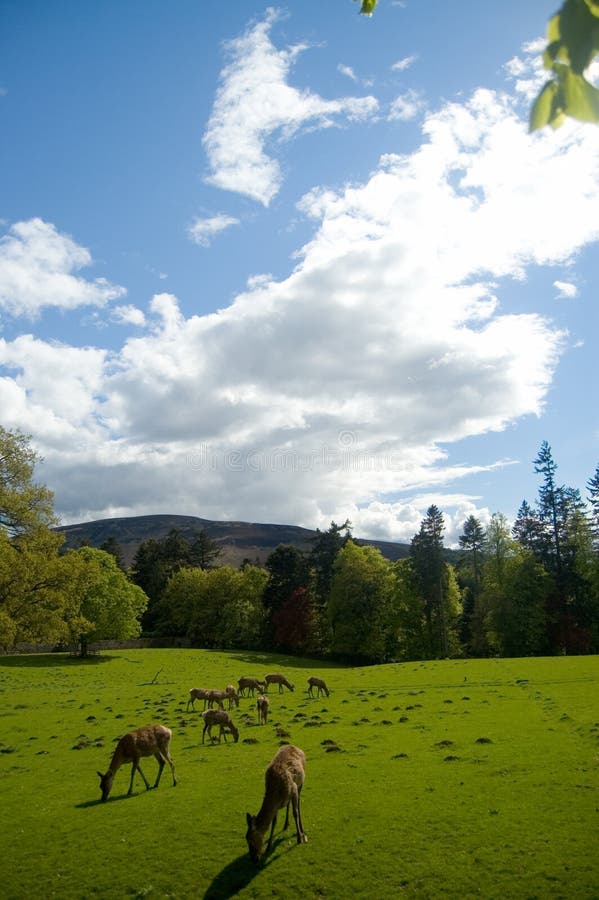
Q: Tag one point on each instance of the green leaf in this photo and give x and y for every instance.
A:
(553, 29)
(554, 52)
(593, 6)
(581, 99)
(543, 109)
(576, 25)
(367, 8)
(557, 121)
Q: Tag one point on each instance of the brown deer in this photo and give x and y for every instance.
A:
(196, 694)
(283, 780)
(151, 740)
(225, 724)
(232, 695)
(262, 705)
(277, 678)
(314, 682)
(208, 696)
(217, 697)
(251, 684)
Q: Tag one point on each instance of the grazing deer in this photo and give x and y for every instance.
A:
(262, 705)
(208, 696)
(277, 678)
(151, 740)
(317, 683)
(217, 697)
(196, 694)
(232, 695)
(225, 724)
(284, 780)
(252, 684)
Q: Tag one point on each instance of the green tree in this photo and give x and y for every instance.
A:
(412, 639)
(112, 546)
(360, 604)
(472, 542)
(529, 530)
(426, 552)
(24, 505)
(35, 590)
(110, 606)
(326, 547)
(215, 608)
(562, 513)
(154, 564)
(593, 497)
(499, 546)
(550, 506)
(204, 552)
(517, 620)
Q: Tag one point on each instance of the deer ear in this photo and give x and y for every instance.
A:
(248, 819)
(100, 775)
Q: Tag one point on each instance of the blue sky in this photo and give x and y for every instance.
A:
(285, 263)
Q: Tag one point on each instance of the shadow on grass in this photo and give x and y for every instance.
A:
(88, 803)
(255, 657)
(233, 878)
(114, 798)
(238, 874)
(51, 660)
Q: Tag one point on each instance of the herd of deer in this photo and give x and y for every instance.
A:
(284, 776)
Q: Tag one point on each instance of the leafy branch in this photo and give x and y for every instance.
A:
(572, 45)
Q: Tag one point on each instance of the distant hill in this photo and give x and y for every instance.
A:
(237, 540)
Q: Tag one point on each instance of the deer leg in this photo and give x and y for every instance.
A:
(204, 732)
(297, 815)
(272, 828)
(160, 759)
(137, 766)
(169, 760)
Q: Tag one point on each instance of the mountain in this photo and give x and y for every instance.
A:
(238, 541)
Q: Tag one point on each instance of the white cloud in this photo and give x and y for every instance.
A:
(255, 102)
(128, 315)
(527, 71)
(347, 71)
(402, 64)
(37, 263)
(201, 231)
(351, 377)
(406, 106)
(52, 390)
(566, 290)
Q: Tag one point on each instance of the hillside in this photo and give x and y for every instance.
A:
(238, 540)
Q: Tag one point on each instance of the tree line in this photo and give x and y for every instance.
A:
(531, 589)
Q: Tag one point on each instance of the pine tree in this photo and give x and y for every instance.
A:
(426, 551)
(593, 496)
(472, 541)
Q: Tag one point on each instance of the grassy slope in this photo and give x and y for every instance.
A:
(454, 779)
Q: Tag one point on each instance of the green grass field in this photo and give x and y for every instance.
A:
(441, 779)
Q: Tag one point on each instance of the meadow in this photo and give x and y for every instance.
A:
(454, 779)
